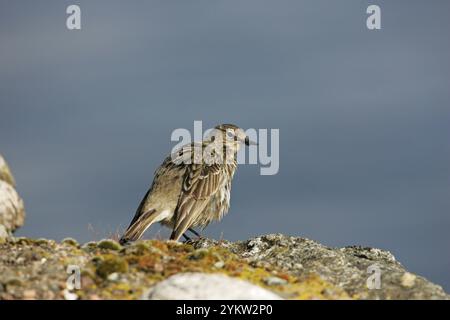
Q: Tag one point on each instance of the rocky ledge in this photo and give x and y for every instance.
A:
(267, 267)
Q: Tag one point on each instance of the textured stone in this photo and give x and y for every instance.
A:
(347, 268)
(288, 267)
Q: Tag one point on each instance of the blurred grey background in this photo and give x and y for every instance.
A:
(86, 116)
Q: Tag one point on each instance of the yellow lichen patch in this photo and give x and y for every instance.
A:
(313, 288)
(163, 246)
(121, 291)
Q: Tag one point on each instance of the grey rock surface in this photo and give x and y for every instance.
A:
(354, 269)
(287, 267)
(201, 286)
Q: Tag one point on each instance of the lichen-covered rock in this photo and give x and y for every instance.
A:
(201, 286)
(350, 268)
(12, 212)
(288, 267)
(43, 267)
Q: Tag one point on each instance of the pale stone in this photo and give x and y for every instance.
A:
(200, 286)
(408, 280)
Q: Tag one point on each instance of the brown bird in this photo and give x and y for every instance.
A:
(192, 186)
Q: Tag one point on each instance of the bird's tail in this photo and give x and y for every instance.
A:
(138, 227)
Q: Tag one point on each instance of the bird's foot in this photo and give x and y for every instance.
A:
(199, 236)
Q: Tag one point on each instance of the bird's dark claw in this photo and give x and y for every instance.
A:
(199, 236)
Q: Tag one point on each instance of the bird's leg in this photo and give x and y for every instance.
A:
(195, 232)
(186, 237)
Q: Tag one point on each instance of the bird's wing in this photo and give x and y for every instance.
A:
(168, 164)
(175, 160)
(200, 182)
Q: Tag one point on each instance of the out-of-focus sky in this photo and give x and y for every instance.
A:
(364, 116)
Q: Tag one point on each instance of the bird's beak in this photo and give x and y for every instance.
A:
(248, 142)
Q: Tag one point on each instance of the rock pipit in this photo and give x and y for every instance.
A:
(192, 186)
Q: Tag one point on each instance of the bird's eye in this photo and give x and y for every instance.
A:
(230, 134)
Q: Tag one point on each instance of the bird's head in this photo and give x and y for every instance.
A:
(232, 135)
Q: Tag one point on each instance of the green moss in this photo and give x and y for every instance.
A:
(43, 242)
(109, 244)
(89, 246)
(198, 254)
(110, 264)
(13, 282)
(70, 241)
(136, 249)
(122, 291)
(23, 241)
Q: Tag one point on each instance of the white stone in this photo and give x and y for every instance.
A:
(113, 276)
(200, 286)
(69, 295)
(408, 280)
(274, 281)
